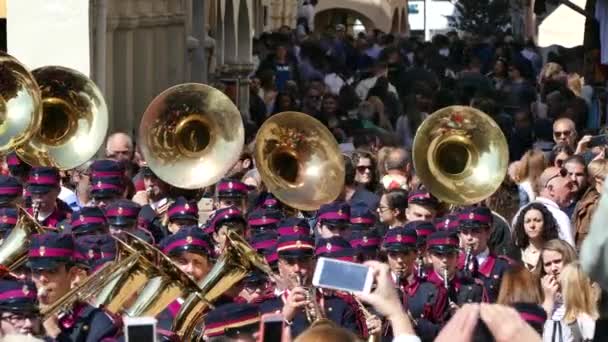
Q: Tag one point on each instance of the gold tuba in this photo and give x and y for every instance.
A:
(20, 103)
(236, 261)
(299, 160)
(74, 120)
(191, 135)
(13, 251)
(460, 155)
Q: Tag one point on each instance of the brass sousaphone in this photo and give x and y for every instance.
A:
(460, 155)
(74, 120)
(191, 135)
(20, 104)
(299, 160)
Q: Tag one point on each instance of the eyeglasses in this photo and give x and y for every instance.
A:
(383, 208)
(18, 318)
(562, 133)
(363, 168)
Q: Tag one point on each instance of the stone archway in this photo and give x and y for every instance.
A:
(244, 33)
(395, 22)
(230, 49)
(377, 11)
(330, 17)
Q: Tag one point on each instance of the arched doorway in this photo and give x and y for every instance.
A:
(354, 21)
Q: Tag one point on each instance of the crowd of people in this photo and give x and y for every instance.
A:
(503, 269)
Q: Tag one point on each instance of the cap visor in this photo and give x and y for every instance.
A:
(43, 263)
(39, 189)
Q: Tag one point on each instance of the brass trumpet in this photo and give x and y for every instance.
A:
(368, 315)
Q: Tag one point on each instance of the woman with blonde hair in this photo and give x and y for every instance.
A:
(529, 169)
(580, 300)
(586, 206)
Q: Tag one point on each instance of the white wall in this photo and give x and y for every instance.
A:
(436, 16)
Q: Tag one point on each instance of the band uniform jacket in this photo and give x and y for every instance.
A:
(53, 220)
(427, 305)
(335, 309)
(85, 323)
(490, 272)
(461, 290)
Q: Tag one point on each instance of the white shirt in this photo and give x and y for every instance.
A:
(563, 221)
(365, 85)
(483, 256)
(69, 197)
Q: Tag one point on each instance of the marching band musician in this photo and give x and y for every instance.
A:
(425, 301)
(263, 219)
(122, 217)
(11, 191)
(19, 312)
(443, 248)
(293, 226)
(474, 232)
(51, 259)
(423, 230)
(155, 202)
(43, 185)
(8, 220)
(362, 218)
(296, 266)
(366, 244)
(108, 182)
(18, 168)
(231, 193)
(191, 250)
(224, 220)
(333, 219)
(88, 221)
(421, 206)
(337, 247)
(181, 213)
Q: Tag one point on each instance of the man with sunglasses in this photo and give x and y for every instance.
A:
(474, 232)
(564, 132)
(19, 313)
(556, 193)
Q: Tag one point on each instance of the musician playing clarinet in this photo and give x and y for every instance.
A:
(475, 229)
(426, 302)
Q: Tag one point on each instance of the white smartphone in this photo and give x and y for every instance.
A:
(342, 275)
(139, 329)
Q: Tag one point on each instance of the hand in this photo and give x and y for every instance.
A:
(550, 286)
(51, 326)
(295, 301)
(141, 198)
(506, 324)
(582, 145)
(461, 326)
(374, 325)
(601, 155)
(385, 299)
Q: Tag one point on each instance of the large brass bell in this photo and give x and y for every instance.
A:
(299, 160)
(191, 135)
(74, 120)
(460, 155)
(20, 104)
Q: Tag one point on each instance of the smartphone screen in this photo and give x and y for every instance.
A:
(144, 332)
(598, 140)
(273, 331)
(345, 276)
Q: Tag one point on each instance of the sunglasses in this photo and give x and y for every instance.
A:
(562, 133)
(363, 168)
